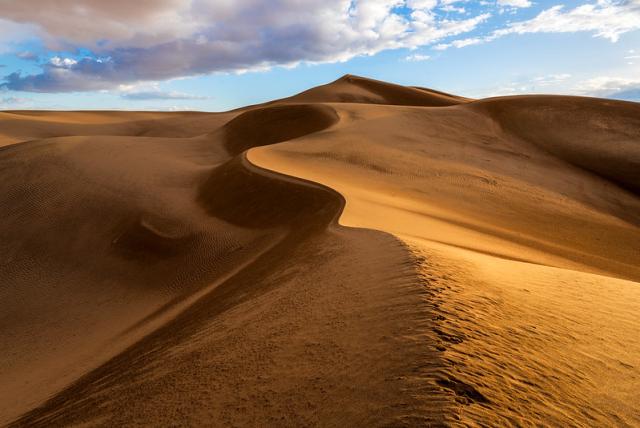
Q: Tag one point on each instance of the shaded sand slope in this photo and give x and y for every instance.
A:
(489, 276)
(269, 125)
(97, 234)
(600, 136)
(19, 126)
(292, 340)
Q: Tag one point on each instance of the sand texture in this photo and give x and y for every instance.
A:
(359, 254)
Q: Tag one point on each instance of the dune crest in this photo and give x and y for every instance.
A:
(274, 124)
(600, 136)
(356, 89)
(359, 254)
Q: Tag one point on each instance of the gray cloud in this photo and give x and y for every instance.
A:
(153, 40)
(89, 23)
(160, 95)
(14, 100)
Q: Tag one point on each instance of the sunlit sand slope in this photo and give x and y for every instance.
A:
(523, 215)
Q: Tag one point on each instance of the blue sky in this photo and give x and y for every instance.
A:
(220, 54)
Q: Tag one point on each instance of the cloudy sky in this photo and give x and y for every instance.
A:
(221, 54)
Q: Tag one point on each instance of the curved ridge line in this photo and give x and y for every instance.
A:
(178, 305)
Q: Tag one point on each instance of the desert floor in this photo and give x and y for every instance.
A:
(360, 254)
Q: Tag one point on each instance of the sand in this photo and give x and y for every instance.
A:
(360, 254)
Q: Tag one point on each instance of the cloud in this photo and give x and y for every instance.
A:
(611, 87)
(452, 8)
(515, 3)
(606, 18)
(58, 62)
(422, 4)
(92, 23)
(12, 33)
(417, 57)
(546, 83)
(118, 42)
(459, 43)
(154, 40)
(160, 95)
(14, 102)
(614, 87)
(631, 57)
(27, 56)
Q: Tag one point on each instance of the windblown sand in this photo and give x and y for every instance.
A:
(360, 254)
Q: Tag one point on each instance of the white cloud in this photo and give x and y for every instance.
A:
(422, 4)
(606, 18)
(515, 3)
(611, 87)
(460, 43)
(551, 79)
(617, 87)
(553, 83)
(417, 57)
(452, 8)
(56, 61)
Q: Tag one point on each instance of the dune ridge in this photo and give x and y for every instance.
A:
(356, 89)
(577, 130)
(361, 254)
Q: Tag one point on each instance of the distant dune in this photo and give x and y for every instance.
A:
(359, 254)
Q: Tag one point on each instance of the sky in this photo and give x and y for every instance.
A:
(216, 55)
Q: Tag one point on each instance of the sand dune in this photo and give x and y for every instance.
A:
(360, 254)
(355, 89)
